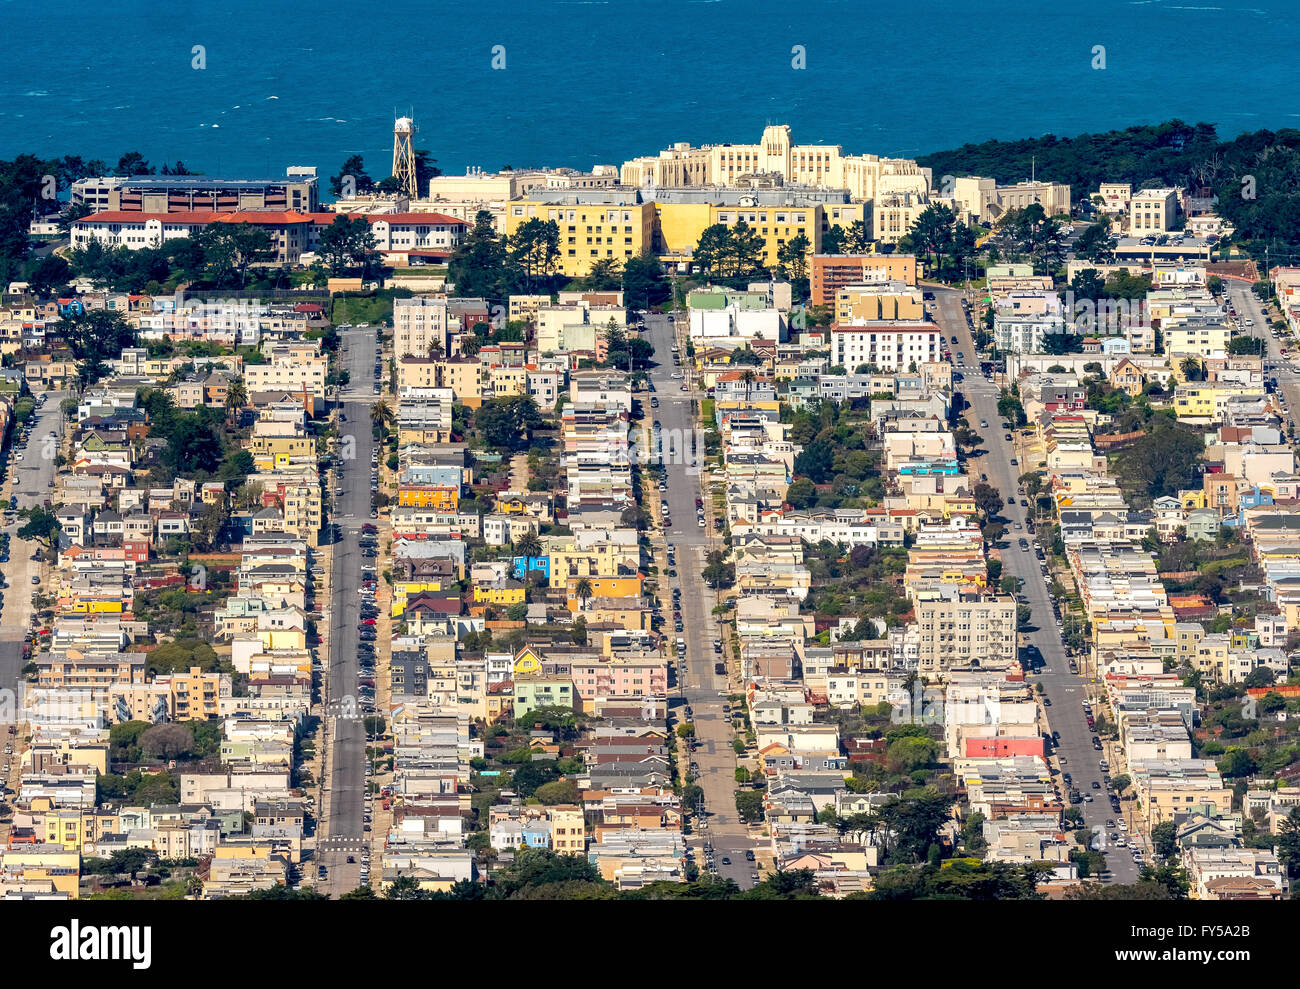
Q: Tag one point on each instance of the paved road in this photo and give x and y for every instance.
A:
(1065, 690)
(1248, 306)
(30, 481)
(344, 832)
(703, 690)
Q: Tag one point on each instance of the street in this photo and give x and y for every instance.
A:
(343, 833)
(1249, 307)
(704, 691)
(31, 482)
(1065, 690)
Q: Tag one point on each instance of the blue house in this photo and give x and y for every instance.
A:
(537, 834)
(526, 565)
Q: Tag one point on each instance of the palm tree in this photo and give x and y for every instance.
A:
(747, 376)
(236, 395)
(528, 545)
(1191, 368)
(583, 590)
(380, 412)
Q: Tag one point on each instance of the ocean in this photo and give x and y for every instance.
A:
(588, 82)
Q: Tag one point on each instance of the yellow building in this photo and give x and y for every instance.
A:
(402, 589)
(681, 224)
(1205, 403)
(627, 613)
(84, 605)
(866, 177)
(589, 231)
(64, 827)
(436, 496)
(275, 452)
(504, 381)
(524, 307)
(511, 505)
(44, 863)
(1196, 341)
(527, 662)
(568, 830)
(196, 695)
(602, 587)
(505, 593)
(886, 301)
(464, 376)
(569, 562)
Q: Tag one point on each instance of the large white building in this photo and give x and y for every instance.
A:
(887, 346)
(826, 165)
(418, 323)
(1152, 211)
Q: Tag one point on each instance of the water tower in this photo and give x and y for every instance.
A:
(404, 156)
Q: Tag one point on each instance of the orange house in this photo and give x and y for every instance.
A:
(437, 497)
(603, 587)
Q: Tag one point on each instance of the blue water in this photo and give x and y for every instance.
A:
(599, 81)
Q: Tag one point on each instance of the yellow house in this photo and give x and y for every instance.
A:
(44, 863)
(64, 827)
(1196, 341)
(512, 505)
(754, 405)
(627, 613)
(421, 435)
(524, 307)
(568, 830)
(464, 378)
(505, 593)
(602, 587)
(504, 381)
(958, 504)
(589, 231)
(196, 695)
(402, 589)
(1127, 377)
(878, 302)
(527, 662)
(278, 451)
(94, 606)
(1207, 402)
(569, 561)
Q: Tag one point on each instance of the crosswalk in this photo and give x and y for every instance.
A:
(341, 844)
